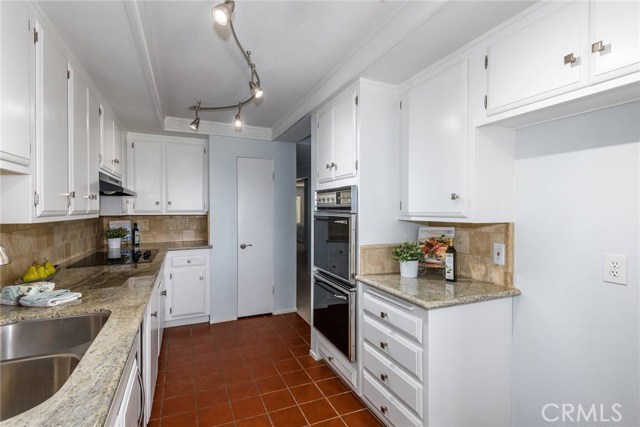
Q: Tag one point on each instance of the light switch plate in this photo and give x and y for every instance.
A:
(498, 253)
(615, 269)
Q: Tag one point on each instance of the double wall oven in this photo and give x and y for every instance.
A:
(334, 261)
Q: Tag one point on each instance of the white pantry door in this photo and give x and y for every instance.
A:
(255, 236)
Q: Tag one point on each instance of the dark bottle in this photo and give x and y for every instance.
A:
(136, 234)
(450, 263)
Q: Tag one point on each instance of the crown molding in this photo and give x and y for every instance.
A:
(179, 124)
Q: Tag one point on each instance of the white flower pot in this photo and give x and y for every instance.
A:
(409, 268)
(114, 243)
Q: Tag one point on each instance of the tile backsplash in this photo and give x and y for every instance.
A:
(474, 244)
(61, 241)
(175, 228)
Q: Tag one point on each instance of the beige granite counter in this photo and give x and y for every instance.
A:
(436, 293)
(123, 291)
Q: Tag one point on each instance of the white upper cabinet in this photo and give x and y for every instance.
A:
(147, 175)
(185, 177)
(169, 174)
(93, 120)
(52, 178)
(78, 145)
(118, 140)
(336, 138)
(434, 145)
(614, 38)
(542, 58)
(15, 83)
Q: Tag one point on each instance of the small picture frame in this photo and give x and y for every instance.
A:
(435, 241)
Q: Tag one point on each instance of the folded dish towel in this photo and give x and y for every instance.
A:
(10, 295)
(36, 288)
(50, 298)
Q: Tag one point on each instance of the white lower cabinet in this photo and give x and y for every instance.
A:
(347, 370)
(187, 299)
(447, 366)
(127, 408)
(151, 340)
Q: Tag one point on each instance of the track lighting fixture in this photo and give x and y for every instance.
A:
(223, 14)
(195, 124)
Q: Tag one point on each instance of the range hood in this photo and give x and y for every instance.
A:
(110, 186)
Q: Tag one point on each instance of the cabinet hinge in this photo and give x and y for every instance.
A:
(170, 276)
(36, 199)
(356, 165)
(99, 111)
(486, 61)
(401, 105)
(400, 204)
(204, 150)
(68, 74)
(273, 176)
(132, 144)
(170, 310)
(273, 290)
(356, 100)
(29, 148)
(35, 36)
(485, 102)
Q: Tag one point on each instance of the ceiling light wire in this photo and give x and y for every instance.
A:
(255, 87)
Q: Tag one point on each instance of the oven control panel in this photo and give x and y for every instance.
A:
(339, 198)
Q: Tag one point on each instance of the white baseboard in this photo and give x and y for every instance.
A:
(189, 321)
(286, 310)
(223, 319)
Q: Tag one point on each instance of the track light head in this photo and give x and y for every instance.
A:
(195, 124)
(256, 90)
(222, 12)
(237, 122)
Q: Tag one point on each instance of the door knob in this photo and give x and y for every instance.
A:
(244, 246)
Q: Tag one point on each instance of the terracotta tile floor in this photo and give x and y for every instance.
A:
(252, 372)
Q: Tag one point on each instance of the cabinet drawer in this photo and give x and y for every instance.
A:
(393, 345)
(187, 261)
(394, 314)
(387, 407)
(396, 381)
(338, 364)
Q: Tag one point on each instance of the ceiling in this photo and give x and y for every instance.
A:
(152, 59)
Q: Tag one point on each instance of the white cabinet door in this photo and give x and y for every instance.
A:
(150, 351)
(117, 150)
(345, 136)
(615, 38)
(51, 128)
(324, 142)
(94, 152)
(434, 140)
(185, 177)
(78, 145)
(162, 304)
(129, 412)
(147, 176)
(188, 292)
(15, 85)
(106, 141)
(534, 63)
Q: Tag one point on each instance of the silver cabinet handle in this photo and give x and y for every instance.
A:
(163, 293)
(383, 345)
(188, 261)
(570, 59)
(330, 358)
(384, 377)
(169, 203)
(328, 166)
(154, 314)
(597, 47)
(244, 246)
(455, 196)
(384, 409)
(142, 398)
(157, 203)
(334, 165)
(384, 315)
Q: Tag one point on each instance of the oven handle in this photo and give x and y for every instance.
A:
(331, 286)
(331, 214)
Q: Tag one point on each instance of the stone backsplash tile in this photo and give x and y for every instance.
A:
(175, 228)
(55, 241)
(474, 244)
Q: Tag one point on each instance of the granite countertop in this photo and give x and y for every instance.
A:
(430, 293)
(124, 292)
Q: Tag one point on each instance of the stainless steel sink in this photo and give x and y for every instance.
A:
(38, 356)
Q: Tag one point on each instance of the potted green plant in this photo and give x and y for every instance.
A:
(408, 255)
(114, 236)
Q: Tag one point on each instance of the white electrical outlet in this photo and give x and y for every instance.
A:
(615, 269)
(498, 253)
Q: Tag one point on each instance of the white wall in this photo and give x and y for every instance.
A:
(576, 338)
(223, 225)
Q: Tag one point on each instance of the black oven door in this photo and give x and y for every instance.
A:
(334, 244)
(334, 314)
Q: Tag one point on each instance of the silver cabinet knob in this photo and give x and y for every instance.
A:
(169, 203)
(188, 261)
(383, 345)
(244, 246)
(597, 47)
(154, 314)
(330, 358)
(201, 277)
(455, 196)
(157, 203)
(384, 409)
(163, 293)
(384, 315)
(384, 377)
(328, 166)
(570, 59)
